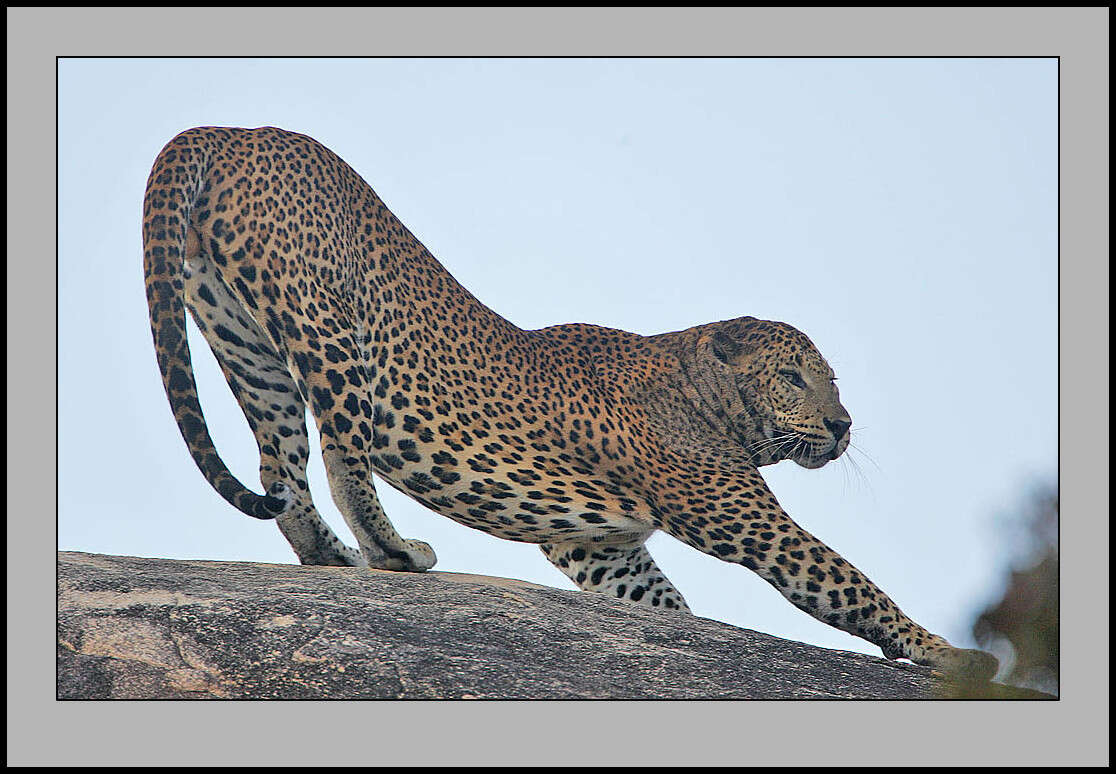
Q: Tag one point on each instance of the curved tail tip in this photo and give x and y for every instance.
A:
(278, 500)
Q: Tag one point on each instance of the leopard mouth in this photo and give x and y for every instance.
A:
(812, 458)
(811, 450)
(769, 444)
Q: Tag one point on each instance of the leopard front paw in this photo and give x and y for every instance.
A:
(960, 663)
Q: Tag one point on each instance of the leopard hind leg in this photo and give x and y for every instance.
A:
(349, 425)
(624, 571)
(271, 403)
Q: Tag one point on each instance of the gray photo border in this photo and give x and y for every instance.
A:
(42, 730)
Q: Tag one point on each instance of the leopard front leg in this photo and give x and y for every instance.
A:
(749, 527)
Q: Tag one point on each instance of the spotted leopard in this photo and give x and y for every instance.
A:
(581, 439)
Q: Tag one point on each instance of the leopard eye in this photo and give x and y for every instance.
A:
(794, 378)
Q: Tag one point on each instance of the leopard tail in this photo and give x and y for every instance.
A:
(176, 181)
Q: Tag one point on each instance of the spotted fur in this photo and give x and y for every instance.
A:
(581, 439)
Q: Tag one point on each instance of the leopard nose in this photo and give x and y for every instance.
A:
(838, 427)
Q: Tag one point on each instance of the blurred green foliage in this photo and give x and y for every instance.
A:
(1021, 628)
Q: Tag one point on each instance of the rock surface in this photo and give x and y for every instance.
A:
(131, 628)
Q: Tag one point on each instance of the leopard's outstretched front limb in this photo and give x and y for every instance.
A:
(812, 576)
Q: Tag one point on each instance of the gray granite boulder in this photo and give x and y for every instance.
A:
(131, 628)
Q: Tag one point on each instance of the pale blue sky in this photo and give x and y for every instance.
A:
(900, 212)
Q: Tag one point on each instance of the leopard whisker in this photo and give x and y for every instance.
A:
(851, 462)
(787, 447)
(865, 455)
(775, 441)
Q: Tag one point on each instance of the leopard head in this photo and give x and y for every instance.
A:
(772, 390)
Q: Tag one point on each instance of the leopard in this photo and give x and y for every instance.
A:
(582, 439)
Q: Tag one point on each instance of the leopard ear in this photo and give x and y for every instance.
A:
(724, 347)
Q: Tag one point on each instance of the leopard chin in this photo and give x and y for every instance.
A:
(812, 463)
